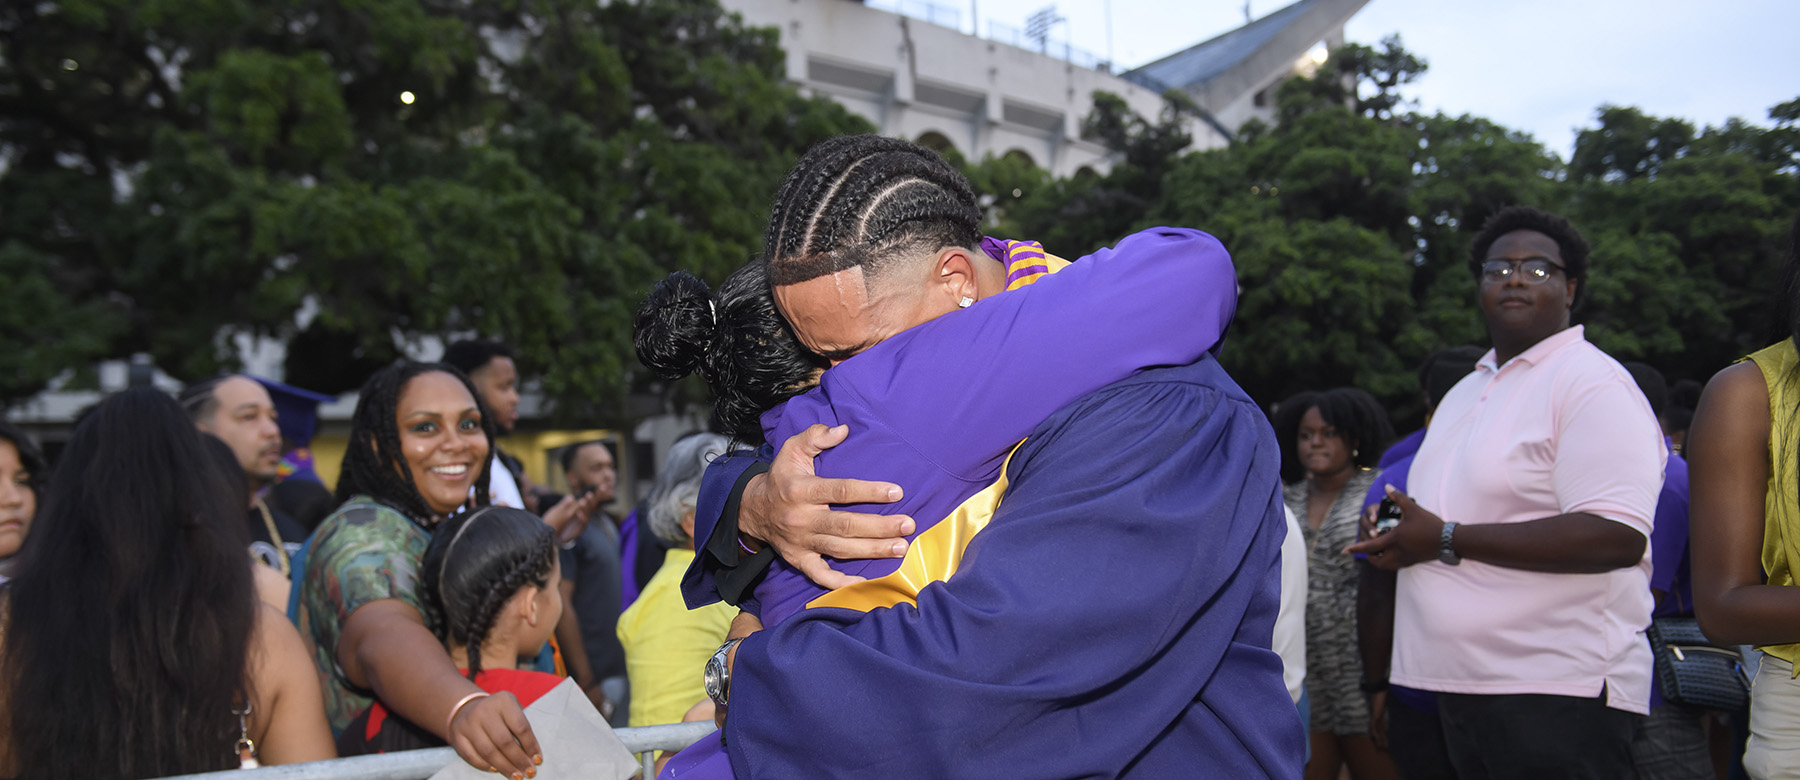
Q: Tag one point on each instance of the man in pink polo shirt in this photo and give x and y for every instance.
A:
(1524, 588)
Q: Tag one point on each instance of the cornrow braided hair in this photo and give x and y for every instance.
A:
(373, 464)
(475, 564)
(857, 201)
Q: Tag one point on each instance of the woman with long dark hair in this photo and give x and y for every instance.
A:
(22, 477)
(134, 645)
(1745, 513)
(419, 441)
(1330, 443)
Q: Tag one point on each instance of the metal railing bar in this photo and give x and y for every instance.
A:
(644, 741)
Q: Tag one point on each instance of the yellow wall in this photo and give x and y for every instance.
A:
(328, 457)
(533, 448)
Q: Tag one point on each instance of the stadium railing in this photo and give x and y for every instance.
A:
(643, 741)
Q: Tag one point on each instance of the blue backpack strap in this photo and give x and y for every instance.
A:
(296, 578)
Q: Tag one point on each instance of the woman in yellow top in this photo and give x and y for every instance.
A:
(1742, 451)
(665, 643)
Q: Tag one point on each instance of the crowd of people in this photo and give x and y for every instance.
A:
(967, 509)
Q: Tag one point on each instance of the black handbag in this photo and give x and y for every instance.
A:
(1692, 670)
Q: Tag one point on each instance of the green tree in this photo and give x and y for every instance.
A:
(173, 173)
(1350, 224)
(1689, 231)
(1083, 212)
(1363, 79)
(1352, 216)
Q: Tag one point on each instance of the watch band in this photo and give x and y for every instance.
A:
(1447, 545)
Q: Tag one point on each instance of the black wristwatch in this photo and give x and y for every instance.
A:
(1370, 688)
(1447, 545)
(718, 673)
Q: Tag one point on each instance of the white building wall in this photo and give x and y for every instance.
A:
(910, 77)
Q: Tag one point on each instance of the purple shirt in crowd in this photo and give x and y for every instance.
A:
(1401, 450)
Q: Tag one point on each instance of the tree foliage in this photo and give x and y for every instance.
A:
(1350, 219)
(355, 176)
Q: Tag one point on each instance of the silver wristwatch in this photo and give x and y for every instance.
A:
(718, 673)
(1447, 545)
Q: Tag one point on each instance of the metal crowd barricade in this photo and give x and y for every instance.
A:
(644, 741)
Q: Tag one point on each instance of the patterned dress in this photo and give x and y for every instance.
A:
(363, 552)
(1333, 668)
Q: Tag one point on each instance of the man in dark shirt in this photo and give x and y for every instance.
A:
(239, 411)
(591, 582)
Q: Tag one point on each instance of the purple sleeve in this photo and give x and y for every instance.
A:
(1394, 474)
(1669, 534)
(719, 571)
(1058, 650)
(961, 390)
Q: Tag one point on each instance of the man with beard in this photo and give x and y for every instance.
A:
(239, 411)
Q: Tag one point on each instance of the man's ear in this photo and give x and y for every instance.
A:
(954, 272)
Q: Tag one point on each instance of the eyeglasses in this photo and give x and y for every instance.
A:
(1535, 270)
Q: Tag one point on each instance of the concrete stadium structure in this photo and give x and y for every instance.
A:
(913, 74)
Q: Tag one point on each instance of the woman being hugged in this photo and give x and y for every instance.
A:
(489, 584)
(418, 441)
(134, 644)
(1744, 464)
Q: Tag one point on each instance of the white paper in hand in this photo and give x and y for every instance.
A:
(576, 741)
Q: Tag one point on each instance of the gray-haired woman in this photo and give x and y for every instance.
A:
(665, 642)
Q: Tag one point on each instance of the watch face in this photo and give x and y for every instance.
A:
(714, 683)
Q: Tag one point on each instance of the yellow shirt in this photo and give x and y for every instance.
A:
(667, 645)
(1781, 509)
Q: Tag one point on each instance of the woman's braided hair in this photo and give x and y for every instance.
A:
(475, 564)
(373, 463)
(857, 201)
(736, 339)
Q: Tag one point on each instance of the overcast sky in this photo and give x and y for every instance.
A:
(1542, 66)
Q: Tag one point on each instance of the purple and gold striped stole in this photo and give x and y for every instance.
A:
(1027, 262)
(936, 552)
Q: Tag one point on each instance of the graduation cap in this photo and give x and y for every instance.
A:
(297, 410)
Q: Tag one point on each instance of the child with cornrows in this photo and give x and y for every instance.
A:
(489, 580)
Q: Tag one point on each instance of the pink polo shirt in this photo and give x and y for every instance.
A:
(1560, 428)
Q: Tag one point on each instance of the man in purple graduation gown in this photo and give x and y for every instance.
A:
(1141, 522)
(1112, 618)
